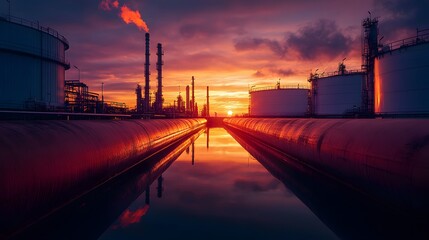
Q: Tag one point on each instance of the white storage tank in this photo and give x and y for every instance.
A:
(337, 94)
(32, 66)
(401, 82)
(279, 102)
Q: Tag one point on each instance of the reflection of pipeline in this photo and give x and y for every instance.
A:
(94, 212)
(193, 154)
(387, 158)
(347, 212)
(44, 164)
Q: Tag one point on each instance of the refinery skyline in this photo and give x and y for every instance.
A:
(227, 45)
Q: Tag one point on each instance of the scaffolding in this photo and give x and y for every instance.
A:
(369, 52)
(78, 98)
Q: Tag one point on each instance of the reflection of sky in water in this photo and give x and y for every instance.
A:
(225, 194)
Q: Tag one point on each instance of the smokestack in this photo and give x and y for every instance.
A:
(193, 97)
(158, 100)
(146, 76)
(187, 98)
(207, 107)
(139, 105)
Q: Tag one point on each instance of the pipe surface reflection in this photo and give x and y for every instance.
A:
(348, 212)
(45, 164)
(90, 215)
(387, 158)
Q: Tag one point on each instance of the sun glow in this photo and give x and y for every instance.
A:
(229, 113)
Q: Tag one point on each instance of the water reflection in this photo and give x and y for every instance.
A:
(348, 212)
(218, 191)
(89, 216)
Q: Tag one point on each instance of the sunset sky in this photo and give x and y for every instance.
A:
(228, 45)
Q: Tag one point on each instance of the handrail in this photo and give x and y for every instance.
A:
(333, 74)
(284, 87)
(421, 37)
(35, 25)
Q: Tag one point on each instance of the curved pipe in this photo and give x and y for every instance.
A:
(108, 200)
(46, 163)
(348, 213)
(387, 158)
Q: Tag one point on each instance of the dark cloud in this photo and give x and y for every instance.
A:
(259, 74)
(283, 72)
(192, 7)
(401, 15)
(253, 43)
(274, 72)
(321, 39)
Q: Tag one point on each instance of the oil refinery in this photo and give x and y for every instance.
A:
(351, 146)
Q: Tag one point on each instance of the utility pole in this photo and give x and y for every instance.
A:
(77, 70)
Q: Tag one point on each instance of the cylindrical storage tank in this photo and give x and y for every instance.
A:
(284, 102)
(338, 94)
(32, 66)
(401, 84)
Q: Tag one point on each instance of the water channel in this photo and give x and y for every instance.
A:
(216, 186)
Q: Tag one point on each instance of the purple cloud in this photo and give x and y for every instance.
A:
(321, 39)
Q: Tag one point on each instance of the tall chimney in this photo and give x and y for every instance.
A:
(158, 100)
(139, 99)
(187, 98)
(146, 77)
(208, 108)
(193, 97)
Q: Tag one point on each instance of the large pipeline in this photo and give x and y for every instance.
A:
(45, 163)
(347, 212)
(386, 158)
(96, 211)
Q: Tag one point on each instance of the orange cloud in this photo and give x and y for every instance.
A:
(130, 16)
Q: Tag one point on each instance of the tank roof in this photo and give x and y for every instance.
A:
(274, 88)
(422, 37)
(317, 76)
(36, 26)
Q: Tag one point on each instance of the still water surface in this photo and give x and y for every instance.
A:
(216, 189)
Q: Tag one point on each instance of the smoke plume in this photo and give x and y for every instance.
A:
(127, 15)
(130, 16)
